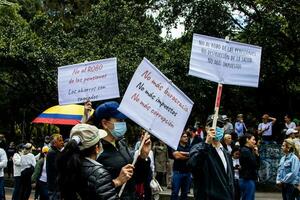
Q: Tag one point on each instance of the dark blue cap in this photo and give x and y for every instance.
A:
(107, 110)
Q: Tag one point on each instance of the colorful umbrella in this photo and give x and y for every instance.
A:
(65, 115)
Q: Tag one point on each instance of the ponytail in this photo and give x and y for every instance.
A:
(69, 165)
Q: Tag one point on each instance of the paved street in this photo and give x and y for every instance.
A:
(8, 194)
(166, 195)
(267, 196)
(258, 195)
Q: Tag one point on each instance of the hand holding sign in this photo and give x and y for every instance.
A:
(211, 134)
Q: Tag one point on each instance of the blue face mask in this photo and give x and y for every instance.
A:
(119, 130)
(219, 134)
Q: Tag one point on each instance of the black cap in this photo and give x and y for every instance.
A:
(220, 121)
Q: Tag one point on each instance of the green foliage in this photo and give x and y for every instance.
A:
(273, 25)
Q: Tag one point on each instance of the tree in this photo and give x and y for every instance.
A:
(273, 25)
(33, 47)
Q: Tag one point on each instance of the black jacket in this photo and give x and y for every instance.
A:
(211, 182)
(249, 164)
(195, 140)
(51, 168)
(99, 182)
(114, 158)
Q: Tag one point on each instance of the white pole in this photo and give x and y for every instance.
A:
(217, 105)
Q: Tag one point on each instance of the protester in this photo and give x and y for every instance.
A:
(160, 151)
(181, 176)
(211, 166)
(116, 153)
(28, 163)
(200, 130)
(249, 162)
(47, 141)
(39, 177)
(227, 143)
(17, 172)
(239, 126)
(11, 150)
(3, 144)
(297, 138)
(142, 188)
(235, 154)
(192, 135)
(3, 164)
(265, 128)
(169, 172)
(57, 143)
(288, 122)
(287, 174)
(228, 127)
(80, 176)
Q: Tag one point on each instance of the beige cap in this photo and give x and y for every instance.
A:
(89, 135)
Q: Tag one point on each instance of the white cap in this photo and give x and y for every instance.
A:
(290, 131)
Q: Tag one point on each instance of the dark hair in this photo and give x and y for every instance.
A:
(288, 116)
(19, 147)
(243, 139)
(191, 128)
(184, 132)
(235, 149)
(71, 182)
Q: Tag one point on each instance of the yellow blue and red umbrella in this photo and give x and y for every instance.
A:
(61, 114)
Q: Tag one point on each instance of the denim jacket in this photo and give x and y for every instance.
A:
(288, 169)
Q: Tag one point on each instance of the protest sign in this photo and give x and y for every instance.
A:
(96, 80)
(155, 103)
(224, 61)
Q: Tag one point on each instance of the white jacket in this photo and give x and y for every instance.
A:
(3, 162)
(17, 164)
(27, 161)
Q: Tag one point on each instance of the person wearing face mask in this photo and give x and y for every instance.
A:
(116, 153)
(211, 165)
(80, 176)
(249, 162)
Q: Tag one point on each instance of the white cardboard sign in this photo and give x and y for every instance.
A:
(225, 62)
(95, 80)
(155, 103)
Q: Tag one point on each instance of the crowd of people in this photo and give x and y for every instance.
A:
(96, 162)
